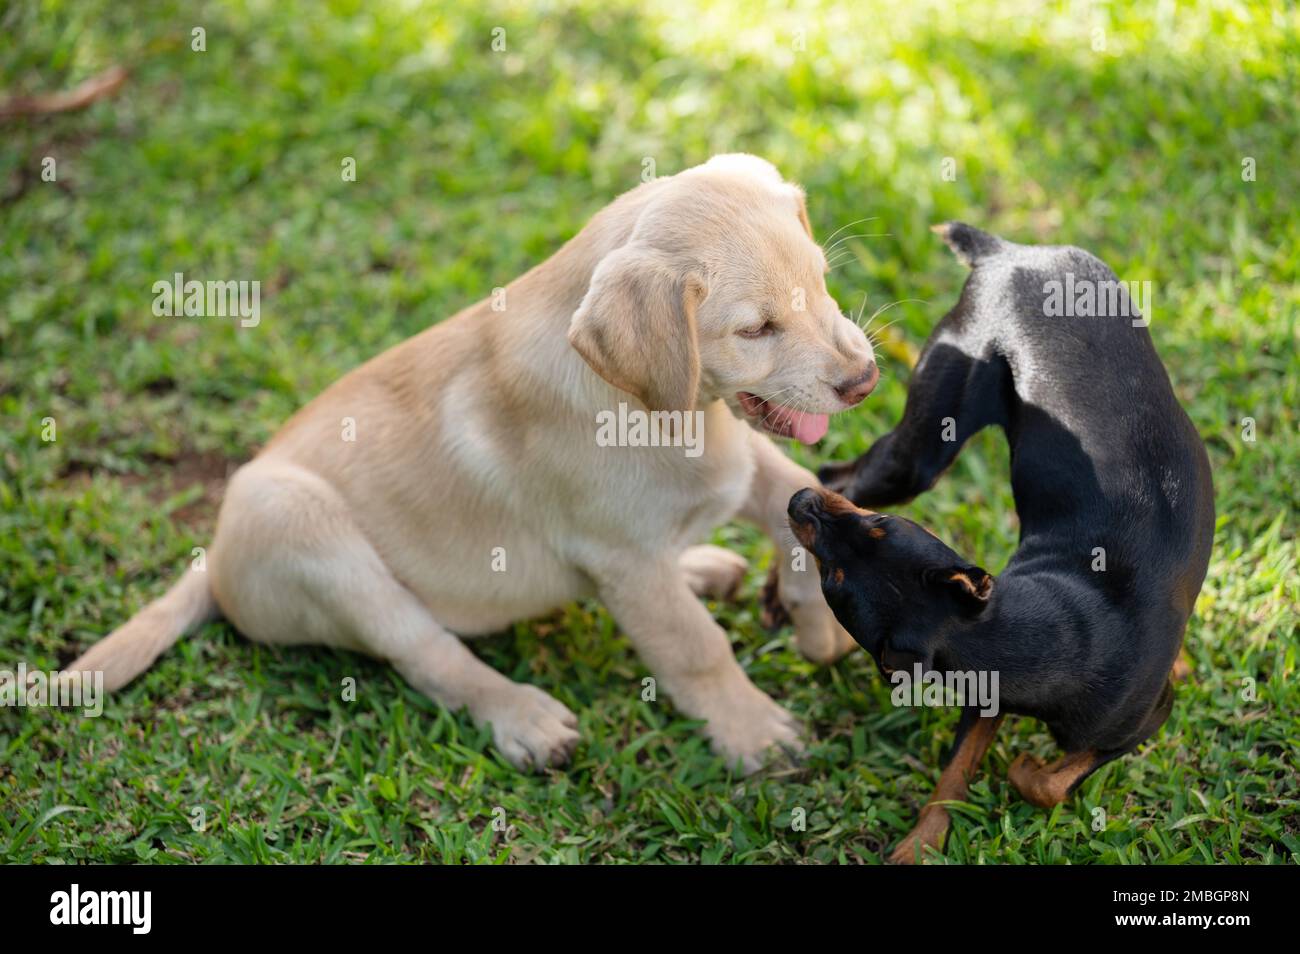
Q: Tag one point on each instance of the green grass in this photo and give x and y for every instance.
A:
(473, 166)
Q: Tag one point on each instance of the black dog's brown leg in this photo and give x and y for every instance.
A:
(974, 735)
(1048, 785)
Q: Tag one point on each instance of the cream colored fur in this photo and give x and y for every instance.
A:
(479, 434)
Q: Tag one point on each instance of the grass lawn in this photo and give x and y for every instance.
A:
(471, 166)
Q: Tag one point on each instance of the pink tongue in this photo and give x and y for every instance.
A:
(806, 428)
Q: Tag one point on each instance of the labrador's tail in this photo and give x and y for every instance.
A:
(131, 648)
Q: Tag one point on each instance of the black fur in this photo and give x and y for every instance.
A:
(1102, 456)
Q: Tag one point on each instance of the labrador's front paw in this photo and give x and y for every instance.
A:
(713, 572)
(746, 726)
(825, 642)
(791, 596)
(531, 729)
(818, 634)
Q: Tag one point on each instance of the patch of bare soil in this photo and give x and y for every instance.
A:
(165, 478)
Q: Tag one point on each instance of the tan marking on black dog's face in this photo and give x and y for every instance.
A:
(836, 505)
(815, 505)
(890, 582)
(815, 502)
(978, 590)
(806, 534)
(815, 512)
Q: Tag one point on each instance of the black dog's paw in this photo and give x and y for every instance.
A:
(878, 478)
(838, 477)
(856, 483)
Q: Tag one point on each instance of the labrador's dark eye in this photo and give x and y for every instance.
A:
(758, 331)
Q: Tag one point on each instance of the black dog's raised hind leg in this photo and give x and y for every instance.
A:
(951, 397)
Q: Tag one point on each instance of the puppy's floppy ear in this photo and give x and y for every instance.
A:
(636, 327)
(970, 586)
(802, 208)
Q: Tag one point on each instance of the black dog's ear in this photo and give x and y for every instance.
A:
(970, 586)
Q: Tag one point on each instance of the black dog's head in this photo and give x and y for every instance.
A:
(898, 589)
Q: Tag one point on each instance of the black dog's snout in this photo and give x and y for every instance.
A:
(803, 505)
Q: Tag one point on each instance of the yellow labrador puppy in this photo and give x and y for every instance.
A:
(573, 436)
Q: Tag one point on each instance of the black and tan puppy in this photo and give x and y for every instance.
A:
(1112, 487)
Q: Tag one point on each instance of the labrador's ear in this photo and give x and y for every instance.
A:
(636, 328)
(803, 213)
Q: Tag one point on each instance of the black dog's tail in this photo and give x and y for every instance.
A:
(971, 245)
